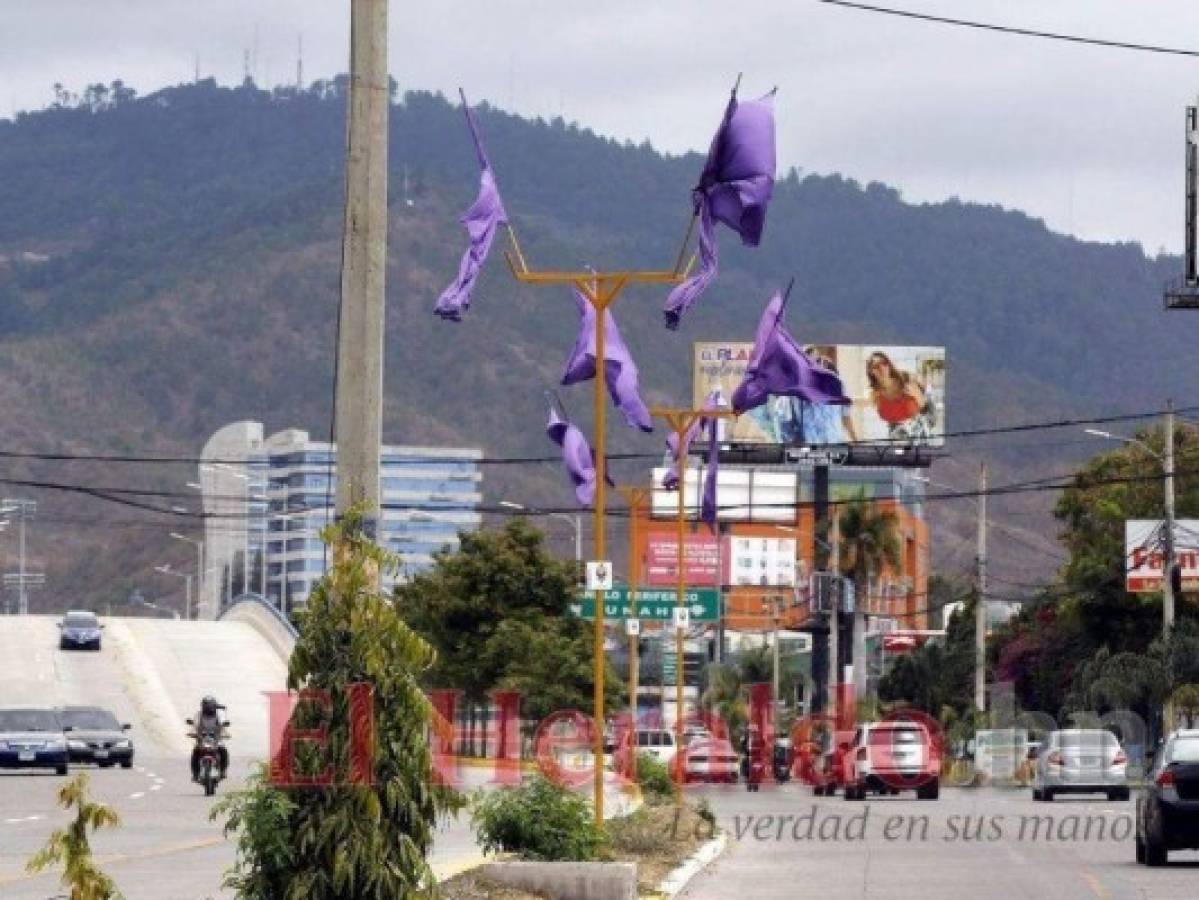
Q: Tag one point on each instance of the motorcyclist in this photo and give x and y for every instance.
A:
(209, 722)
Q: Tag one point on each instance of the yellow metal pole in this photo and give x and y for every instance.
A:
(635, 496)
(679, 600)
(600, 303)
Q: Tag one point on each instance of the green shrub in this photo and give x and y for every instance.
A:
(654, 777)
(539, 820)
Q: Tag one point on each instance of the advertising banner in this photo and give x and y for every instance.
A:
(701, 557)
(898, 395)
(1145, 554)
(761, 561)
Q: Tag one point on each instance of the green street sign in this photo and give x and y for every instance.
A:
(653, 604)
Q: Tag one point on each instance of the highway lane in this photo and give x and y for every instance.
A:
(979, 844)
(166, 847)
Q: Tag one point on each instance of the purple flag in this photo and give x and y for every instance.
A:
(620, 372)
(577, 456)
(708, 509)
(734, 188)
(779, 367)
(485, 215)
(670, 481)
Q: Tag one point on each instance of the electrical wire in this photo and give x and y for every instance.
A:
(1011, 30)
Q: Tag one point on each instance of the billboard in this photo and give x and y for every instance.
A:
(898, 394)
(760, 561)
(701, 559)
(1145, 554)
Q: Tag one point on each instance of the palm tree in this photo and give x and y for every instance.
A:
(869, 542)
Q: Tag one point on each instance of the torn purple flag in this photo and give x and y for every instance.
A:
(577, 456)
(620, 372)
(670, 481)
(734, 188)
(779, 367)
(485, 215)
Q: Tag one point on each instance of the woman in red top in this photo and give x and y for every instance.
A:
(896, 395)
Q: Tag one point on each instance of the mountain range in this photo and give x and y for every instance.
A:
(170, 263)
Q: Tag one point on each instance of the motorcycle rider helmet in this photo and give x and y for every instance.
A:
(208, 706)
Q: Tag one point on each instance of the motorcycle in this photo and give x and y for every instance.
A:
(209, 759)
(210, 764)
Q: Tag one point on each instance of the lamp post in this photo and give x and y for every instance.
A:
(575, 522)
(187, 581)
(1167, 463)
(199, 545)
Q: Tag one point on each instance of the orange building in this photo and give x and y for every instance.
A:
(763, 567)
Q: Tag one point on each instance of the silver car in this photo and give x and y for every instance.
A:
(1081, 761)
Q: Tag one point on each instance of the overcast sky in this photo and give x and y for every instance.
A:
(1088, 139)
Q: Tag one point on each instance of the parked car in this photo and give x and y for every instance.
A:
(1081, 761)
(80, 630)
(1168, 808)
(32, 738)
(887, 757)
(710, 759)
(95, 736)
(657, 742)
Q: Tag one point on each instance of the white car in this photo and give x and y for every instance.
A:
(657, 742)
(1081, 761)
(711, 759)
(888, 757)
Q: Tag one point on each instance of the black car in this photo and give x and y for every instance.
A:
(32, 738)
(95, 736)
(1168, 809)
(80, 630)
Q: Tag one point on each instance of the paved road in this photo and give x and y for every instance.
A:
(165, 849)
(845, 855)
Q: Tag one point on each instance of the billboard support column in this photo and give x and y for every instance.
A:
(821, 642)
(1168, 488)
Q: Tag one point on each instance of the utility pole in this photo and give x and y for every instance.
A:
(1168, 488)
(21, 579)
(834, 620)
(980, 610)
(359, 391)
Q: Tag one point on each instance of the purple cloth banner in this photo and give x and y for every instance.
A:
(670, 481)
(577, 457)
(735, 188)
(620, 372)
(708, 508)
(779, 367)
(485, 215)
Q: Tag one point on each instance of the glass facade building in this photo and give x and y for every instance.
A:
(269, 498)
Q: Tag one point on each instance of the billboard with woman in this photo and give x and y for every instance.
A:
(898, 396)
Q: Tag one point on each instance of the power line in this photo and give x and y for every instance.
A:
(1012, 30)
(545, 459)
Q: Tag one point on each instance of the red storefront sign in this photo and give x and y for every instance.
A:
(701, 558)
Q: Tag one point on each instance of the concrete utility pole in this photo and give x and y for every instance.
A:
(359, 395)
(1168, 488)
(980, 611)
(21, 579)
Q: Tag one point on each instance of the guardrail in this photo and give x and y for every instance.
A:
(259, 600)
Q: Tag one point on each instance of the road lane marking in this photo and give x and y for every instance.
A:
(137, 795)
(1097, 886)
(126, 857)
(156, 787)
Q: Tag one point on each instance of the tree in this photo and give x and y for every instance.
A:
(350, 838)
(937, 678)
(869, 543)
(485, 607)
(70, 846)
(1186, 701)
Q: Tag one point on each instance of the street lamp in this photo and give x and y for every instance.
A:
(199, 545)
(1167, 463)
(575, 522)
(187, 580)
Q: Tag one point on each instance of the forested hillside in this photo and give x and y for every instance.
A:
(170, 263)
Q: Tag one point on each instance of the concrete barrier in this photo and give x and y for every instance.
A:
(266, 620)
(567, 880)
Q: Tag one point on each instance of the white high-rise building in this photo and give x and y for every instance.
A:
(267, 499)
